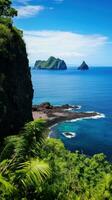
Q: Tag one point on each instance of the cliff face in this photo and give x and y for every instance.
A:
(83, 66)
(16, 91)
(51, 63)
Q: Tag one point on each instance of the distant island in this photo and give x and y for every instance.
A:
(51, 64)
(83, 66)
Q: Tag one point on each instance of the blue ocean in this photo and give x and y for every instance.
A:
(92, 90)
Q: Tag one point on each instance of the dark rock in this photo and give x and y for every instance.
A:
(51, 64)
(46, 105)
(56, 114)
(42, 107)
(66, 106)
(83, 66)
(16, 91)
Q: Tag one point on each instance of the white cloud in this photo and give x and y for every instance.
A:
(71, 47)
(29, 10)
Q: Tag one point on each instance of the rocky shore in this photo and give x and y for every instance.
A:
(55, 114)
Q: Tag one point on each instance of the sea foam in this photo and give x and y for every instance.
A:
(73, 108)
(71, 135)
(78, 107)
(98, 116)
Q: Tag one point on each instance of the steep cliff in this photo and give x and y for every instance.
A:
(15, 81)
(51, 63)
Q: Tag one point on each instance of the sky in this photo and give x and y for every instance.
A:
(73, 30)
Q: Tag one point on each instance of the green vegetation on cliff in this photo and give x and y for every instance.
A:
(51, 63)
(6, 12)
(74, 175)
(15, 80)
(33, 167)
(21, 171)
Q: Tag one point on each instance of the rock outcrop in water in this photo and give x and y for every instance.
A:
(51, 64)
(55, 114)
(83, 66)
(15, 81)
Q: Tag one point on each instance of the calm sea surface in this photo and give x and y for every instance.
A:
(93, 91)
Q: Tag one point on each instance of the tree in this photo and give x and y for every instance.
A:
(7, 12)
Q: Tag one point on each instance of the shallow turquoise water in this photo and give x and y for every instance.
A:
(93, 91)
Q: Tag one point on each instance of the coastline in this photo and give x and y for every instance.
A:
(56, 114)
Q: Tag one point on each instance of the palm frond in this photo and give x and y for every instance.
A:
(35, 129)
(33, 172)
(6, 186)
(32, 135)
(3, 164)
(8, 150)
(23, 145)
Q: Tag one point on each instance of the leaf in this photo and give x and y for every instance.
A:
(33, 172)
(5, 185)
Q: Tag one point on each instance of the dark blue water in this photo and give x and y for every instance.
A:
(93, 91)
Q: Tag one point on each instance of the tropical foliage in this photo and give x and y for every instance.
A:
(6, 12)
(39, 168)
(21, 170)
(74, 175)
